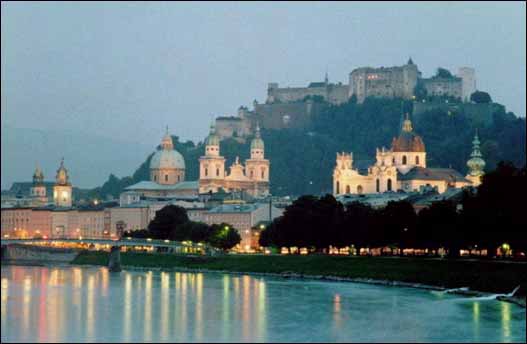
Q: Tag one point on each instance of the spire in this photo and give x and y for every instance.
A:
(475, 147)
(476, 164)
(326, 79)
(407, 124)
(257, 134)
(410, 62)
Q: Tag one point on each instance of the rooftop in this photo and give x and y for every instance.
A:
(148, 185)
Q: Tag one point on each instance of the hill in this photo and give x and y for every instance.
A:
(302, 161)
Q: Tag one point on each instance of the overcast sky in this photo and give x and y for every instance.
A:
(125, 70)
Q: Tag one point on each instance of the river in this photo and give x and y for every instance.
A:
(89, 304)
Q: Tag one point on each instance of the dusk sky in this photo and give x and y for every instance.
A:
(126, 70)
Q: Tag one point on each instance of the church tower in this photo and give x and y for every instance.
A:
(257, 166)
(475, 164)
(408, 149)
(211, 165)
(38, 189)
(62, 190)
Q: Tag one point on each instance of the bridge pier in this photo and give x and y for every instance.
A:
(114, 261)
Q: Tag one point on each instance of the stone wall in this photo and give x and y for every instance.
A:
(18, 252)
(287, 115)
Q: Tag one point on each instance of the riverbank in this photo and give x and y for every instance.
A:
(484, 276)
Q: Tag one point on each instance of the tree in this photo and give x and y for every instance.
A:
(224, 236)
(443, 73)
(166, 221)
(480, 97)
(438, 227)
(398, 221)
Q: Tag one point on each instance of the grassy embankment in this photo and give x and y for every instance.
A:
(478, 275)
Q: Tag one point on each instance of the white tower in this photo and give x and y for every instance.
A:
(62, 190)
(212, 164)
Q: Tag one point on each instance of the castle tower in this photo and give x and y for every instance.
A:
(167, 166)
(408, 148)
(468, 82)
(211, 165)
(38, 189)
(257, 166)
(62, 190)
(475, 164)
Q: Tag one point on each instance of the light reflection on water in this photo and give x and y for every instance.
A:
(91, 304)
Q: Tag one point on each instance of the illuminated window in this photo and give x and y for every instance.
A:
(348, 189)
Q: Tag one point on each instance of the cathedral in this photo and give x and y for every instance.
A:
(167, 173)
(253, 178)
(403, 167)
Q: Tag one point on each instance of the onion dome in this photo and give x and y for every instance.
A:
(476, 164)
(212, 139)
(408, 141)
(167, 157)
(257, 142)
(38, 176)
(62, 177)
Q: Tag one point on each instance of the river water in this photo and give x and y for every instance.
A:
(88, 304)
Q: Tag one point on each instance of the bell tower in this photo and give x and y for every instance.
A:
(211, 165)
(62, 190)
(38, 189)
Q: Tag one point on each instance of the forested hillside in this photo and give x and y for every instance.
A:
(302, 162)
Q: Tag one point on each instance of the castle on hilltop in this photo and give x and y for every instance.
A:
(293, 107)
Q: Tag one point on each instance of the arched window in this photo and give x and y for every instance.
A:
(217, 172)
(404, 159)
(389, 185)
(417, 160)
(378, 185)
(338, 188)
(252, 173)
(348, 190)
(166, 177)
(178, 178)
(155, 178)
(263, 173)
(359, 189)
(206, 171)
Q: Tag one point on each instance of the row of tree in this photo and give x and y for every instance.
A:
(488, 218)
(172, 223)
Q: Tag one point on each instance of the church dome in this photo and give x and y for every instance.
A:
(212, 139)
(167, 157)
(408, 141)
(257, 142)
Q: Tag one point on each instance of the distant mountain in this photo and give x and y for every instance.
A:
(89, 158)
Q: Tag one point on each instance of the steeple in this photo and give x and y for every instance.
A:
(407, 124)
(410, 62)
(38, 176)
(257, 145)
(475, 164)
(326, 79)
(62, 174)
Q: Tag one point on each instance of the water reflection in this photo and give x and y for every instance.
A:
(88, 304)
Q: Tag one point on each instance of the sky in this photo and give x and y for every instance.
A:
(125, 70)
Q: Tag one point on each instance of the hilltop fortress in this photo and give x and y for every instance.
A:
(294, 106)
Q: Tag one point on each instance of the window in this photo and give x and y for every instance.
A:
(378, 185)
(166, 177)
(206, 171)
(338, 188)
(155, 178)
(263, 173)
(389, 185)
(359, 189)
(251, 173)
(404, 159)
(416, 160)
(348, 190)
(178, 178)
(217, 172)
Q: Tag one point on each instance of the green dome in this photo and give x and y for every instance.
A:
(212, 139)
(257, 142)
(476, 164)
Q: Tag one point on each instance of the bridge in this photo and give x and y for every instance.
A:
(114, 262)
